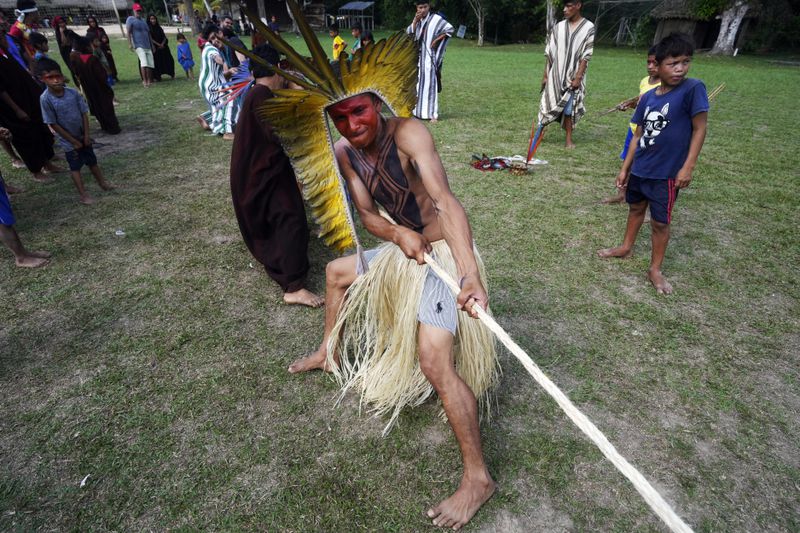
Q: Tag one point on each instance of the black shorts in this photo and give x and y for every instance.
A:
(660, 194)
(78, 158)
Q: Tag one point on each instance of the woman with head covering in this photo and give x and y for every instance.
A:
(162, 57)
(64, 40)
(105, 45)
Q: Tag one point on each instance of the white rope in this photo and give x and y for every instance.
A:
(650, 495)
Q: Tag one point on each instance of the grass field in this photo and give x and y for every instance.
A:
(154, 363)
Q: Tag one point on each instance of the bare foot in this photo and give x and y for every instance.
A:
(17, 163)
(41, 253)
(107, 186)
(458, 509)
(616, 199)
(315, 361)
(228, 136)
(569, 146)
(203, 123)
(53, 169)
(434, 120)
(39, 177)
(31, 261)
(618, 252)
(659, 282)
(86, 200)
(10, 189)
(303, 297)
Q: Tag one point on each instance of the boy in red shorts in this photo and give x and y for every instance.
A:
(671, 127)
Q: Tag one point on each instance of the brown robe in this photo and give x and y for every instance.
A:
(32, 138)
(99, 95)
(266, 199)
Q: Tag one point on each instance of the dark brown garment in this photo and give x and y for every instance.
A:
(162, 57)
(31, 138)
(105, 47)
(266, 199)
(99, 95)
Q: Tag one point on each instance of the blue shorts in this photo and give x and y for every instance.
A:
(6, 215)
(568, 108)
(437, 304)
(660, 194)
(78, 158)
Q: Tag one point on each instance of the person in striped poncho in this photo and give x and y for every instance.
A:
(569, 48)
(220, 117)
(431, 32)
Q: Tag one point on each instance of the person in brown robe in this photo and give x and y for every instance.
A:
(21, 114)
(92, 76)
(266, 198)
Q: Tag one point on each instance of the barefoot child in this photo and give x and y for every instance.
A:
(649, 82)
(8, 235)
(185, 56)
(66, 113)
(670, 130)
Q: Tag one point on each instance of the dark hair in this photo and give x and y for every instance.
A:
(91, 17)
(268, 54)
(333, 27)
(208, 29)
(674, 45)
(651, 51)
(367, 37)
(82, 45)
(45, 64)
(226, 17)
(37, 39)
(180, 36)
(228, 33)
(357, 26)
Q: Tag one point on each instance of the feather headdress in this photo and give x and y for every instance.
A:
(387, 68)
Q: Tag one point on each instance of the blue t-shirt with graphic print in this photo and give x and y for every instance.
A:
(666, 121)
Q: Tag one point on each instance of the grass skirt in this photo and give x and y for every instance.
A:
(376, 336)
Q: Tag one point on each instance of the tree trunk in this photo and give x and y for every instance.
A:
(731, 20)
(189, 8)
(480, 14)
(551, 16)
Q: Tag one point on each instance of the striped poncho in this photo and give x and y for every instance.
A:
(430, 63)
(565, 50)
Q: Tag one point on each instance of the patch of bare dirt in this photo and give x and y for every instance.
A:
(129, 140)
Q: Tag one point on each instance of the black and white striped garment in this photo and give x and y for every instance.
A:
(565, 50)
(430, 62)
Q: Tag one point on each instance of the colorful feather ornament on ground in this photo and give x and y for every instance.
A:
(387, 68)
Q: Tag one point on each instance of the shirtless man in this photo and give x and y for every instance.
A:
(413, 187)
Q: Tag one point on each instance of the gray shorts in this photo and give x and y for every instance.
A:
(437, 304)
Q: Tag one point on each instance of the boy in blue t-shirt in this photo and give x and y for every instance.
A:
(66, 113)
(671, 127)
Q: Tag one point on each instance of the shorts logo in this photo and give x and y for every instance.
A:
(438, 307)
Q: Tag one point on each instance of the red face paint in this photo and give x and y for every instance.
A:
(358, 119)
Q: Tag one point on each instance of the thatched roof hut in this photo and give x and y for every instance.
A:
(678, 16)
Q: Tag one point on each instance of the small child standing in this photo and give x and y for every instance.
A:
(647, 83)
(670, 129)
(185, 56)
(66, 113)
(339, 44)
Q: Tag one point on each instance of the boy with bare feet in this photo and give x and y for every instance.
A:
(66, 113)
(671, 127)
(9, 236)
(266, 199)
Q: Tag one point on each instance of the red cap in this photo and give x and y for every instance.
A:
(137, 7)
